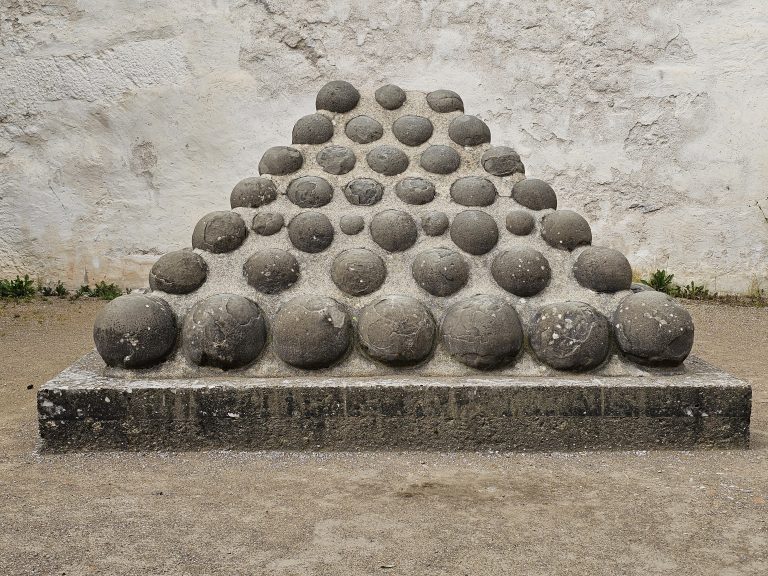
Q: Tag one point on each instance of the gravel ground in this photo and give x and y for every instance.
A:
(374, 513)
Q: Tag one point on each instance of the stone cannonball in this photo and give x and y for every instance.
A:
(387, 160)
(253, 193)
(364, 129)
(351, 224)
(502, 161)
(520, 222)
(570, 336)
(534, 194)
(267, 223)
(415, 191)
(312, 332)
(396, 330)
(224, 331)
(565, 229)
(271, 270)
(393, 230)
(473, 191)
(445, 101)
(336, 159)
(440, 159)
(603, 269)
(474, 231)
(358, 271)
(310, 232)
(312, 129)
(653, 329)
(280, 160)
(309, 192)
(179, 272)
(522, 271)
(390, 97)
(434, 223)
(219, 232)
(135, 331)
(337, 96)
(482, 332)
(440, 271)
(412, 130)
(364, 191)
(469, 131)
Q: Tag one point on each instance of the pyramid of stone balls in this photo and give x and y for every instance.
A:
(392, 233)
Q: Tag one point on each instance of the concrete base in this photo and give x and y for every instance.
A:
(699, 407)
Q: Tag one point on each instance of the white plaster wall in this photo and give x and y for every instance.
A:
(122, 122)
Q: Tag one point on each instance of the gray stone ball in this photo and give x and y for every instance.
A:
(336, 159)
(364, 191)
(652, 329)
(603, 269)
(387, 160)
(253, 193)
(440, 271)
(570, 336)
(445, 101)
(469, 131)
(440, 159)
(224, 331)
(312, 129)
(434, 223)
(522, 271)
(271, 270)
(310, 232)
(412, 130)
(396, 330)
(280, 160)
(337, 96)
(520, 222)
(482, 332)
(267, 223)
(390, 97)
(311, 332)
(415, 191)
(534, 194)
(219, 232)
(393, 230)
(135, 331)
(178, 272)
(502, 161)
(351, 224)
(358, 271)
(565, 229)
(473, 191)
(309, 191)
(474, 231)
(364, 129)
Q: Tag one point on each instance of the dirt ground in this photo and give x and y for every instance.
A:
(386, 513)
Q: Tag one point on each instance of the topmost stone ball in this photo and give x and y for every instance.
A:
(445, 101)
(390, 97)
(337, 96)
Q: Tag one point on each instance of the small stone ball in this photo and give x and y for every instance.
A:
(179, 272)
(253, 193)
(520, 222)
(502, 161)
(312, 129)
(267, 223)
(358, 271)
(473, 191)
(570, 336)
(351, 224)
(522, 271)
(603, 269)
(415, 191)
(312, 332)
(280, 160)
(309, 191)
(434, 223)
(135, 331)
(412, 130)
(387, 160)
(390, 97)
(534, 194)
(445, 101)
(482, 332)
(336, 159)
(393, 230)
(364, 129)
(653, 329)
(337, 96)
(219, 232)
(224, 331)
(469, 131)
(396, 330)
(474, 231)
(565, 229)
(440, 271)
(310, 232)
(271, 270)
(364, 191)
(440, 159)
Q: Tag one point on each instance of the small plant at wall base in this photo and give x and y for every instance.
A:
(101, 290)
(19, 288)
(661, 281)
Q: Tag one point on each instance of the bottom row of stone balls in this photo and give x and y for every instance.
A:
(230, 331)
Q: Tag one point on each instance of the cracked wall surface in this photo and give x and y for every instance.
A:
(120, 127)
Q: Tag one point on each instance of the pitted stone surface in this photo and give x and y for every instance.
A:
(179, 272)
(522, 271)
(351, 224)
(415, 191)
(393, 230)
(603, 269)
(364, 191)
(412, 130)
(565, 229)
(445, 101)
(534, 194)
(358, 271)
(219, 232)
(280, 160)
(469, 131)
(272, 270)
(474, 231)
(434, 223)
(440, 271)
(364, 129)
(267, 223)
(502, 161)
(520, 222)
(337, 96)
(310, 232)
(312, 129)
(390, 97)
(473, 191)
(336, 159)
(387, 160)
(253, 193)
(309, 191)
(440, 159)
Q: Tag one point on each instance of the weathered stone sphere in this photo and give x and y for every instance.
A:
(570, 336)
(653, 329)
(412, 130)
(440, 271)
(387, 160)
(520, 222)
(271, 270)
(364, 129)
(445, 101)
(135, 331)
(253, 193)
(415, 191)
(469, 131)
(309, 191)
(502, 161)
(178, 272)
(225, 331)
(351, 224)
(522, 271)
(390, 97)
(358, 271)
(312, 129)
(280, 160)
(603, 269)
(473, 191)
(396, 330)
(336, 159)
(311, 332)
(337, 96)
(219, 232)
(534, 194)
(267, 223)
(364, 191)
(434, 223)
(565, 229)
(440, 159)
(393, 230)
(474, 231)
(310, 232)
(482, 332)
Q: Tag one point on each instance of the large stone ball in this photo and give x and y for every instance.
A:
(469, 131)
(179, 272)
(387, 160)
(473, 191)
(474, 231)
(364, 129)
(363, 191)
(390, 97)
(522, 271)
(336, 159)
(520, 222)
(502, 161)
(445, 101)
(312, 129)
(271, 270)
(412, 130)
(393, 230)
(440, 271)
(253, 193)
(415, 191)
(310, 232)
(440, 159)
(565, 229)
(337, 96)
(219, 232)
(434, 223)
(358, 271)
(280, 160)
(534, 194)
(603, 269)
(309, 191)
(135, 331)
